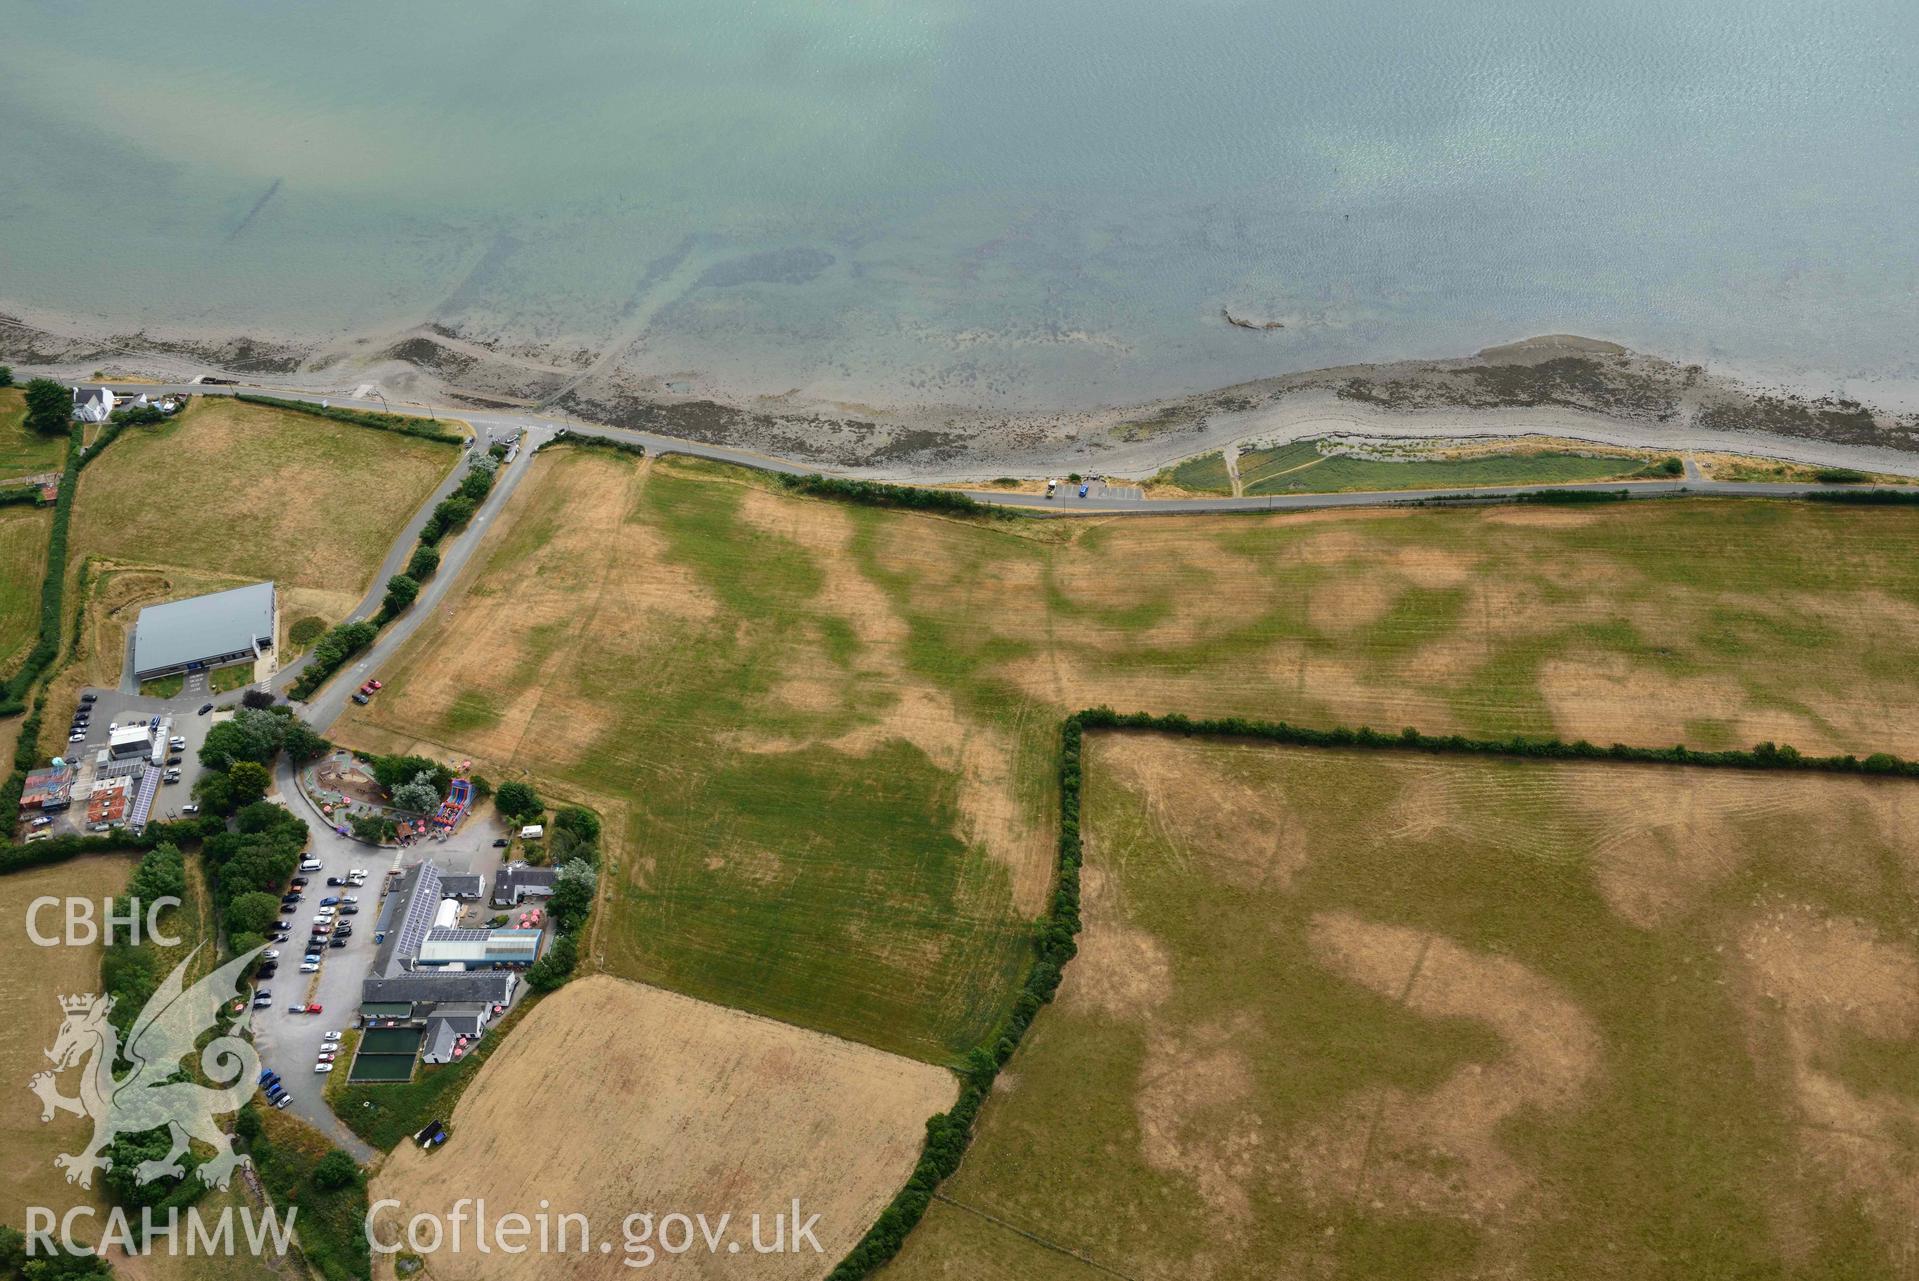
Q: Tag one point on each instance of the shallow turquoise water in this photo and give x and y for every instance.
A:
(988, 201)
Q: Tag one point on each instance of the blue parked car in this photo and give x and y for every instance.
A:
(1082, 491)
(329, 901)
(268, 1076)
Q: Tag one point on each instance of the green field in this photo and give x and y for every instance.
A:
(1372, 1015)
(1205, 474)
(823, 735)
(25, 453)
(1302, 468)
(23, 563)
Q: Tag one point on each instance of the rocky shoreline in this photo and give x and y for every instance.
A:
(1561, 385)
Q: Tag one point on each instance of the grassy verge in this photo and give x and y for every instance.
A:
(163, 686)
(400, 424)
(331, 1221)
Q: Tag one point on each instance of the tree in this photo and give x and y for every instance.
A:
(573, 891)
(401, 592)
(335, 1170)
(423, 565)
(249, 780)
(214, 793)
(417, 796)
(258, 699)
(518, 800)
(583, 823)
(246, 1123)
(251, 734)
(391, 771)
(556, 967)
(6, 376)
(303, 743)
(374, 829)
(252, 912)
(49, 407)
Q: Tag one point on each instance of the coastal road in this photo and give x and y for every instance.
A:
(541, 427)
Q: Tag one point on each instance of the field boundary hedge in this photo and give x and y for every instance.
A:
(948, 1133)
(400, 424)
(879, 493)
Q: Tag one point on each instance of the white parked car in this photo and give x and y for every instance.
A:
(310, 865)
(322, 1067)
(331, 1036)
(271, 954)
(309, 967)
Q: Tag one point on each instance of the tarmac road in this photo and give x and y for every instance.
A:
(540, 426)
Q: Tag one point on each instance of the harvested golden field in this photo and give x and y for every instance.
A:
(30, 1010)
(826, 733)
(1366, 1014)
(612, 1098)
(251, 492)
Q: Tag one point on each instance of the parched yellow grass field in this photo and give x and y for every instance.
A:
(1377, 1015)
(30, 1011)
(250, 492)
(829, 730)
(23, 563)
(612, 1098)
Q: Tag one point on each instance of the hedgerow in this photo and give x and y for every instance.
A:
(330, 653)
(875, 493)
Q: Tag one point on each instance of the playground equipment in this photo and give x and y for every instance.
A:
(459, 796)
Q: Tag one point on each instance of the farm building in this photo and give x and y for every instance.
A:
(48, 789)
(462, 886)
(479, 949)
(202, 632)
(519, 881)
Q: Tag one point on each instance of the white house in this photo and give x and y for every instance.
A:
(93, 404)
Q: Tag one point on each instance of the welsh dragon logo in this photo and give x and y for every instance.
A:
(150, 1094)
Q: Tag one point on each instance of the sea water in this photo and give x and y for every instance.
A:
(1006, 203)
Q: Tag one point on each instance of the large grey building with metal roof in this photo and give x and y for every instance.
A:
(204, 631)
